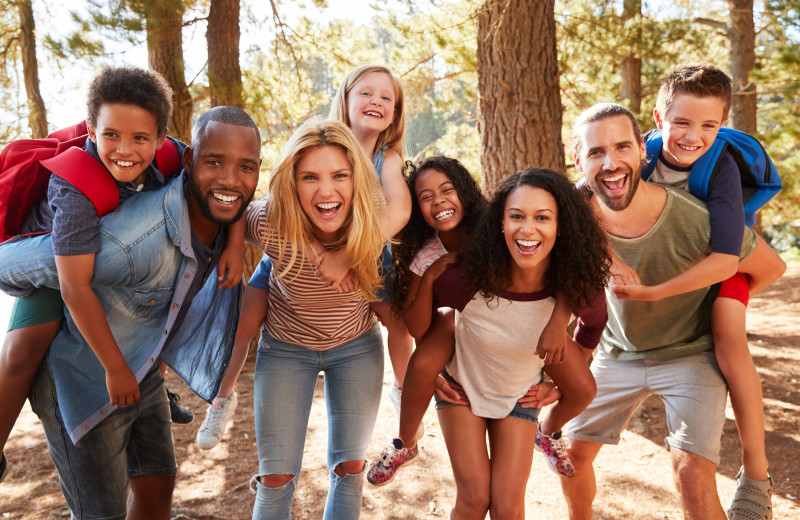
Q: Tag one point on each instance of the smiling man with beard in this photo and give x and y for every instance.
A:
(662, 347)
(157, 251)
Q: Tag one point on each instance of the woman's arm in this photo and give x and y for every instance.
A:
(398, 198)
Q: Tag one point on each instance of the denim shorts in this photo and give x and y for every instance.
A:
(41, 306)
(386, 270)
(135, 441)
(526, 414)
(692, 388)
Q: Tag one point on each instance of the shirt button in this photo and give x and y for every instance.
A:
(102, 412)
(85, 426)
(152, 302)
(150, 360)
(174, 305)
(165, 331)
(187, 275)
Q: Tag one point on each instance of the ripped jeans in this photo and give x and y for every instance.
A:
(285, 377)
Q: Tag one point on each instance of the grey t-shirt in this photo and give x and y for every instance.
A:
(679, 325)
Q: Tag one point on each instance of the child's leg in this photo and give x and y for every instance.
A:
(577, 386)
(433, 352)
(465, 437)
(733, 355)
(22, 353)
(399, 341)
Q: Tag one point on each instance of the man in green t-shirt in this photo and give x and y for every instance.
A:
(660, 347)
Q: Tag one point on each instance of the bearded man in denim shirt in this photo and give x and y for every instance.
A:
(158, 250)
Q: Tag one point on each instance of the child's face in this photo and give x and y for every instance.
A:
(438, 200)
(324, 181)
(370, 104)
(689, 127)
(127, 139)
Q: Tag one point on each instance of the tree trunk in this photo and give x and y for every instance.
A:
(165, 56)
(222, 37)
(519, 101)
(37, 114)
(741, 33)
(630, 71)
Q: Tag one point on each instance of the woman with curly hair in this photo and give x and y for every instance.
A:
(537, 238)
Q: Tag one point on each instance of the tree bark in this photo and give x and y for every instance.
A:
(163, 20)
(630, 71)
(222, 37)
(37, 114)
(741, 33)
(519, 97)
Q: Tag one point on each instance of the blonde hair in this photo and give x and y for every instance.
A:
(363, 237)
(393, 136)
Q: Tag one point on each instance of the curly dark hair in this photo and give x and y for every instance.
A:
(416, 232)
(145, 89)
(579, 260)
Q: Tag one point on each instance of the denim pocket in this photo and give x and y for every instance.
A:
(150, 303)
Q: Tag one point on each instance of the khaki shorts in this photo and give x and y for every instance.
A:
(692, 388)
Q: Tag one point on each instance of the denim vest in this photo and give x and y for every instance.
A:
(141, 276)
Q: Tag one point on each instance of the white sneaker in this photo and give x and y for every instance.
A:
(217, 417)
(395, 396)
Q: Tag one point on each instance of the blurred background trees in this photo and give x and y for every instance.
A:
(494, 83)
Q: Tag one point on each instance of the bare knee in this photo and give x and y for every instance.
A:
(505, 508)
(350, 467)
(274, 481)
(472, 504)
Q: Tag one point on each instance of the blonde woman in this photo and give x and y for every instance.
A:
(323, 196)
(370, 102)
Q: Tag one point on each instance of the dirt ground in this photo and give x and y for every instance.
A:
(634, 479)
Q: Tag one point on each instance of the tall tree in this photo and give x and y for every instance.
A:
(222, 37)
(519, 103)
(164, 22)
(37, 114)
(741, 32)
(630, 68)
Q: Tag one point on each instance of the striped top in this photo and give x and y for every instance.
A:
(431, 250)
(302, 311)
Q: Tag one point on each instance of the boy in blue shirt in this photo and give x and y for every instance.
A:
(692, 104)
(128, 110)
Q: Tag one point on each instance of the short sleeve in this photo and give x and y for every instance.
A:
(726, 207)
(591, 322)
(256, 222)
(76, 226)
(260, 278)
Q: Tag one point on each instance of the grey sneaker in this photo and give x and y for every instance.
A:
(753, 499)
(213, 427)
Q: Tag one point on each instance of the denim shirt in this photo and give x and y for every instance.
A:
(142, 273)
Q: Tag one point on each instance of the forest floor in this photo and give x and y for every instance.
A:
(634, 478)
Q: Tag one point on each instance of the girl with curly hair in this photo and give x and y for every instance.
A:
(538, 237)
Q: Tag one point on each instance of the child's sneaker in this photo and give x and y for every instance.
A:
(179, 414)
(393, 458)
(752, 500)
(395, 396)
(555, 452)
(213, 427)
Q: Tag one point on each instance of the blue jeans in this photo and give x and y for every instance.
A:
(135, 441)
(285, 378)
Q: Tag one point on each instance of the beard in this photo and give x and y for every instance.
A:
(205, 208)
(619, 202)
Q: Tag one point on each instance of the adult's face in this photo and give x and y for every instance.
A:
(324, 179)
(530, 227)
(610, 159)
(224, 166)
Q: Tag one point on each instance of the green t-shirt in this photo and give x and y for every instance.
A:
(679, 325)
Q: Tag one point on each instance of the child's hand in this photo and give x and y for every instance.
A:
(333, 270)
(451, 392)
(230, 260)
(123, 390)
(540, 395)
(622, 273)
(552, 346)
(437, 268)
(639, 292)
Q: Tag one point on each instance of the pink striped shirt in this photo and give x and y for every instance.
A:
(302, 311)
(431, 250)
